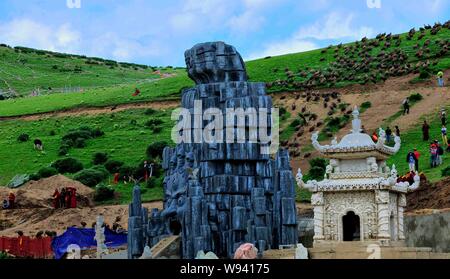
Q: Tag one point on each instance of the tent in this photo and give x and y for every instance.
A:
(84, 238)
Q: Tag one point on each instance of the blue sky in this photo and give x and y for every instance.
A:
(157, 32)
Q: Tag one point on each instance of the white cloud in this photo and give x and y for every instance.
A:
(26, 32)
(249, 21)
(292, 45)
(334, 26)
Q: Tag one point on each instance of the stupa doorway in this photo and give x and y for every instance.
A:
(351, 224)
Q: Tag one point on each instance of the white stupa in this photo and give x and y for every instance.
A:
(360, 199)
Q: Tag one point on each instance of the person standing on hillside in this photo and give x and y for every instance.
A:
(426, 131)
(388, 135)
(406, 106)
(444, 135)
(440, 77)
(411, 160)
(11, 200)
(440, 152)
(397, 131)
(443, 117)
(434, 155)
(417, 154)
(375, 137)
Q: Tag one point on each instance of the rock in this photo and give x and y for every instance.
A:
(208, 256)
(301, 253)
(147, 255)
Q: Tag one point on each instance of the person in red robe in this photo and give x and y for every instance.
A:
(116, 178)
(137, 92)
(11, 200)
(56, 197)
(73, 198)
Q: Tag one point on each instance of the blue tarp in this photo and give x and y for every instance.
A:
(85, 239)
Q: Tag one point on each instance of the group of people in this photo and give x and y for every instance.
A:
(66, 198)
(146, 175)
(10, 202)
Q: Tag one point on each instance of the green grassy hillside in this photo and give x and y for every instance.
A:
(124, 140)
(356, 63)
(413, 139)
(24, 70)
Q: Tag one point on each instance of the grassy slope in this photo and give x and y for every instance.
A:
(259, 70)
(413, 139)
(25, 72)
(122, 141)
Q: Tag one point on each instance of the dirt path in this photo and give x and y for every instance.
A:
(158, 105)
(31, 221)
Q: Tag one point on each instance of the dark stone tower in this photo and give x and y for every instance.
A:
(220, 195)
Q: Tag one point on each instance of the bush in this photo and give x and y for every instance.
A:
(317, 173)
(23, 138)
(152, 183)
(52, 133)
(153, 122)
(63, 150)
(156, 130)
(102, 169)
(295, 123)
(90, 177)
(366, 105)
(68, 165)
(415, 98)
(47, 172)
(446, 171)
(113, 166)
(318, 162)
(79, 143)
(100, 158)
(103, 193)
(155, 149)
(126, 171)
(150, 111)
(35, 177)
(424, 75)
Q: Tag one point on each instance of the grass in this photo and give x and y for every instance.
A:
(118, 84)
(414, 99)
(25, 70)
(150, 91)
(122, 140)
(413, 139)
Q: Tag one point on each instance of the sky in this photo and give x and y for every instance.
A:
(157, 33)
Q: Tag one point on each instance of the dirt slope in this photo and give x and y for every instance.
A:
(430, 196)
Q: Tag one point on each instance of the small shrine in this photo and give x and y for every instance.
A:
(359, 198)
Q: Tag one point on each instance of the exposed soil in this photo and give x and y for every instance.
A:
(430, 196)
(90, 111)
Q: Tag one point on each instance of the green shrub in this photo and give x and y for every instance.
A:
(47, 172)
(415, 98)
(295, 123)
(103, 193)
(102, 169)
(150, 111)
(23, 138)
(317, 173)
(113, 166)
(35, 177)
(365, 106)
(68, 165)
(424, 75)
(52, 133)
(63, 150)
(156, 130)
(446, 171)
(318, 162)
(90, 177)
(79, 143)
(126, 171)
(100, 158)
(153, 122)
(155, 149)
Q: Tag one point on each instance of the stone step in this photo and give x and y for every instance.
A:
(167, 248)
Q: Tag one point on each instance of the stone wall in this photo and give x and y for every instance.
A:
(429, 231)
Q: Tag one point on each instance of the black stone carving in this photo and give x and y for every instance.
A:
(221, 195)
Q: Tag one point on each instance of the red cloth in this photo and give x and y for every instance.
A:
(417, 154)
(137, 93)
(116, 178)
